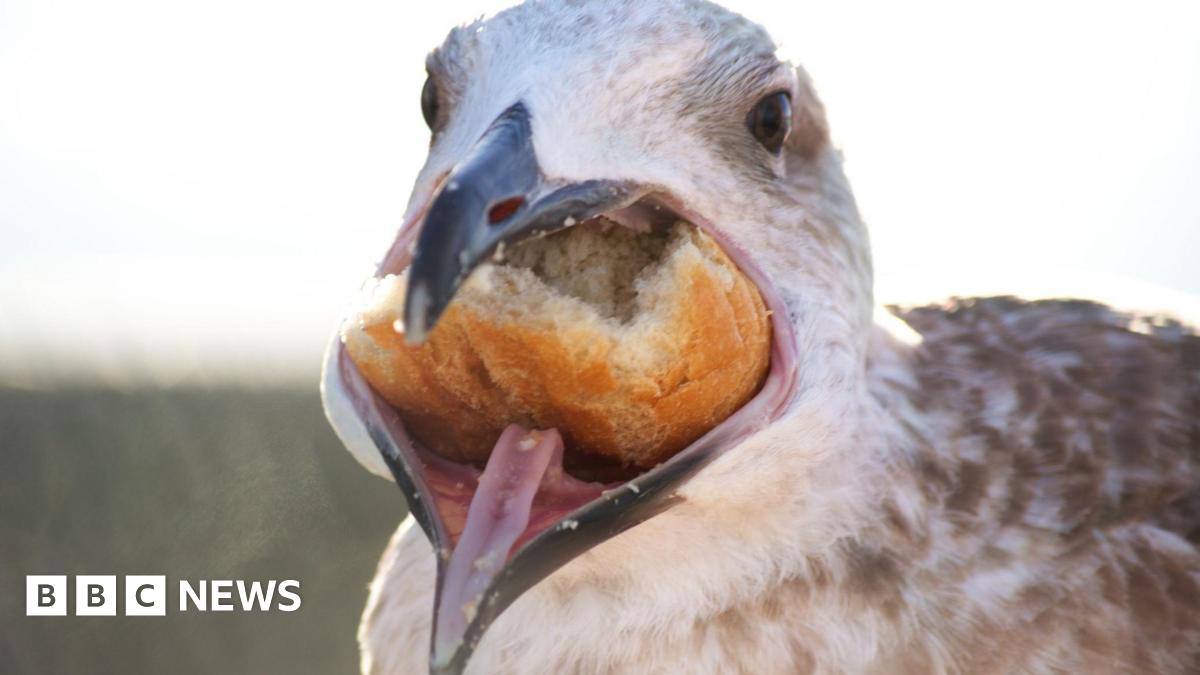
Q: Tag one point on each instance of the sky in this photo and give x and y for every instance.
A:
(194, 191)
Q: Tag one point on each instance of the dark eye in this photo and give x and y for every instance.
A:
(429, 102)
(771, 120)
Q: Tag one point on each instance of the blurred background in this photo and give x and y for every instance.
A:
(190, 193)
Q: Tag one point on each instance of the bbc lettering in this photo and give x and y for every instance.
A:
(45, 595)
(146, 595)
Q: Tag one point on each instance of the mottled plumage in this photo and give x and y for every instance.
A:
(1001, 487)
(1054, 445)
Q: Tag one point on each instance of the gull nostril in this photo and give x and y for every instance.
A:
(503, 210)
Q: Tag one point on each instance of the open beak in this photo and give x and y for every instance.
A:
(497, 195)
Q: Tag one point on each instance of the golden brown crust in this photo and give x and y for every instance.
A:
(478, 373)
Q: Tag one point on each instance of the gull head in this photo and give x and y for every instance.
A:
(547, 115)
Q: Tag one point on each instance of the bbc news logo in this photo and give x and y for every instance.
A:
(146, 595)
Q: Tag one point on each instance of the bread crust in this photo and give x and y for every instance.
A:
(482, 369)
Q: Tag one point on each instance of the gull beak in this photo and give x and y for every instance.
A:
(496, 194)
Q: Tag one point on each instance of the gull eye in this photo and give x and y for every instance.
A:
(771, 120)
(429, 102)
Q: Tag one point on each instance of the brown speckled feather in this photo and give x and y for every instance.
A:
(1057, 456)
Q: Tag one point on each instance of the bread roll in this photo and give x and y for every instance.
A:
(631, 344)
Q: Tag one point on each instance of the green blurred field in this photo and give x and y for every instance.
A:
(195, 484)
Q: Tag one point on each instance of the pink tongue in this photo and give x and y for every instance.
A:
(498, 514)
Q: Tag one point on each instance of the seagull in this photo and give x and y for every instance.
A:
(985, 485)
